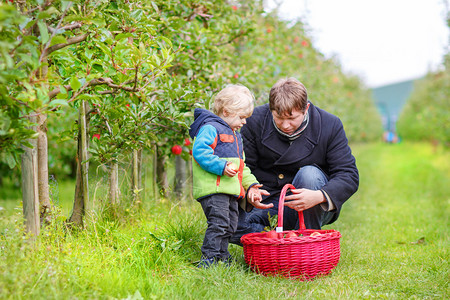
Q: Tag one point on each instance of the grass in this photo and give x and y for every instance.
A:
(394, 244)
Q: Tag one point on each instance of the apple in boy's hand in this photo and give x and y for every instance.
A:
(233, 166)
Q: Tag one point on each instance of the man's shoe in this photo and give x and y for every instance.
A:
(205, 263)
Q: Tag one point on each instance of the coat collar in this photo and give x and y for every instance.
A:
(300, 147)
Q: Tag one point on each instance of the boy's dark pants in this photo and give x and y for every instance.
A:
(221, 211)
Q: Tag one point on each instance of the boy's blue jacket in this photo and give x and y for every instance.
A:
(215, 144)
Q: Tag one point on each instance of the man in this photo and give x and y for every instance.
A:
(289, 140)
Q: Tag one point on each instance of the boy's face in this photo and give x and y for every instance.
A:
(289, 123)
(235, 121)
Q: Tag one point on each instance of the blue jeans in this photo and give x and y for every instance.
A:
(221, 211)
(309, 177)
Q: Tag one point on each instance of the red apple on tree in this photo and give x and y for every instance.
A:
(177, 149)
(187, 142)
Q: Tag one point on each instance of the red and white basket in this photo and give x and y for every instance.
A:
(303, 257)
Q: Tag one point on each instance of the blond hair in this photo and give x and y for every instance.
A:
(286, 95)
(235, 99)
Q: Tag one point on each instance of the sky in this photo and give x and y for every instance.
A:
(381, 41)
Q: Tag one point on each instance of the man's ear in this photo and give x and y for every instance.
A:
(307, 107)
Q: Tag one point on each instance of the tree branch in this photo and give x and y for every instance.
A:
(242, 33)
(74, 40)
(52, 94)
(44, 51)
(67, 27)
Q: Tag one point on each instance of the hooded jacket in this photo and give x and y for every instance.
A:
(274, 160)
(216, 144)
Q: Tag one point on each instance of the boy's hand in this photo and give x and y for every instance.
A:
(254, 197)
(231, 169)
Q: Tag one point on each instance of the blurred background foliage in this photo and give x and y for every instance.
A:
(210, 44)
(426, 115)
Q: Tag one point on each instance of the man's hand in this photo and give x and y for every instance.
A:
(254, 197)
(302, 199)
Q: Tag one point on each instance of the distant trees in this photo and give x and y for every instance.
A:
(105, 81)
(426, 114)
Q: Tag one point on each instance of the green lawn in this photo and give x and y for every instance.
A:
(394, 245)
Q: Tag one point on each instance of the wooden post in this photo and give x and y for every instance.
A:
(161, 174)
(136, 178)
(42, 159)
(180, 176)
(114, 183)
(30, 194)
(154, 176)
(135, 182)
(84, 156)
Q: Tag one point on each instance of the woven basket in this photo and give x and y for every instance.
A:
(300, 258)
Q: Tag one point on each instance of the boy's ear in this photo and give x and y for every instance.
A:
(225, 113)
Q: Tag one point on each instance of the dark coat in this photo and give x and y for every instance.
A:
(274, 161)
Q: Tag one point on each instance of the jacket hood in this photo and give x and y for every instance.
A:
(201, 117)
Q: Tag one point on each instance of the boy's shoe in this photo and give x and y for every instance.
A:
(205, 263)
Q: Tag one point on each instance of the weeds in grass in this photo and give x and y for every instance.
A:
(394, 244)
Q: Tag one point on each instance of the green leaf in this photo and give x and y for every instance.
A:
(43, 15)
(115, 129)
(43, 32)
(169, 42)
(142, 49)
(122, 36)
(10, 160)
(57, 102)
(65, 5)
(58, 39)
(75, 84)
(98, 22)
(52, 10)
(155, 7)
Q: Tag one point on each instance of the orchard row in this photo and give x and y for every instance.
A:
(90, 81)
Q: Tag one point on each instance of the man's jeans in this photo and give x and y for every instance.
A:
(221, 213)
(309, 177)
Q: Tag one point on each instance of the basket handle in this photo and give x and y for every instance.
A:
(301, 221)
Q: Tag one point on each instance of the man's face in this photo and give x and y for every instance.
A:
(289, 123)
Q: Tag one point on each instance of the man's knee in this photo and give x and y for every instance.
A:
(310, 177)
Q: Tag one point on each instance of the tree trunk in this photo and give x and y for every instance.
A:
(136, 181)
(81, 198)
(154, 171)
(30, 194)
(190, 182)
(161, 174)
(180, 176)
(114, 183)
(78, 204)
(42, 155)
